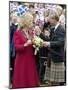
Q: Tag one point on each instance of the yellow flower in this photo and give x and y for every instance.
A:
(37, 41)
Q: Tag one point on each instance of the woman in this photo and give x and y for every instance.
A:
(25, 72)
(60, 13)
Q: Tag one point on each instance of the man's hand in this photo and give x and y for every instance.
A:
(46, 44)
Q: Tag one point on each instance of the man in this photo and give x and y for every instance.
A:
(56, 52)
(13, 26)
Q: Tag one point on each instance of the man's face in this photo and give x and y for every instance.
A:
(52, 21)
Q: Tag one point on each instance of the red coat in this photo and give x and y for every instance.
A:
(25, 71)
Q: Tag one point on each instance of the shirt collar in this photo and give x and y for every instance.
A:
(56, 26)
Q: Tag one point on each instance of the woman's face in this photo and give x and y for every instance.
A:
(58, 12)
(37, 30)
(29, 22)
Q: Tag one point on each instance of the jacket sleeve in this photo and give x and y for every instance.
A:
(59, 41)
(18, 45)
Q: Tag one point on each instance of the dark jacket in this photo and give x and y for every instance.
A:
(12, 48)
(41, 57)
(57, 44)
(44, 50)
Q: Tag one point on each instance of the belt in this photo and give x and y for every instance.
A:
(43, 57)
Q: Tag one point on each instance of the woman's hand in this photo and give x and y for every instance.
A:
(27, 43)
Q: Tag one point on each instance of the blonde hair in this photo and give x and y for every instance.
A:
(25, 19)
(59, 9)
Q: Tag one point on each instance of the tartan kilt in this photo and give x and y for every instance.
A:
(47, 73)
(55, 73)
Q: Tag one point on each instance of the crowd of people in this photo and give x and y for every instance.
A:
(37, 44)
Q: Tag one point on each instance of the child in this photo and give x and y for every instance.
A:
(43, 52)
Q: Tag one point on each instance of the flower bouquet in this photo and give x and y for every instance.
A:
(37, 43)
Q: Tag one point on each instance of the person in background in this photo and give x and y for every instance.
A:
(13, 6)
(56, 74)
(42, 54)
(25, 71)
(41, 12)
(39, 15)
(45, 35)
(32, 9)
(13, 27)
(37, 31)
(60, 13)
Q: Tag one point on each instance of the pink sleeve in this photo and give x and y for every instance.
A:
(18, 45)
